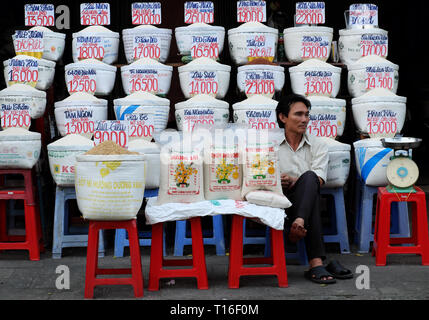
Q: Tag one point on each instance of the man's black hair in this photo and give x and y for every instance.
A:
(286, 102)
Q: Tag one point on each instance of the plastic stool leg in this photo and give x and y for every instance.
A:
(31, 231)
(156, 257)
(91, 261)
(179, 238)
(340, 213)
(199, 261)
(365, 232)
(58, 224)
(404, 224)
(218, 235)
(120, 239)
(236, 252)
(136, 269)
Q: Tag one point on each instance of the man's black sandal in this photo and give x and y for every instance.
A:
(317, 273)
(338, 270)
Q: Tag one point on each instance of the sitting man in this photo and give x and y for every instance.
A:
(303, 164)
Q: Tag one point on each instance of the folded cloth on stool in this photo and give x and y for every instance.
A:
(272, 217)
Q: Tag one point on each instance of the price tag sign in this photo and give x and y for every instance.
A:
(90, 48)
(261, 119)
(260, 46)
(382, 123)
(15, 115)
(39, 15)
(373, 44)
(363, 14)
(141, 125)
(249, 11)
(113, 130)
(94, 14)
(313, 47)
(25, 71)
(82, 80)
(205, 46)
(146, 13)
(259, 82)
(199, 12)
(379, 77)
(203, 82)
(318, 82)
(79, 121)
(192, 117)
(29, 42)
(146, 47)
(144, 80)
(310, 13)
(323, 125)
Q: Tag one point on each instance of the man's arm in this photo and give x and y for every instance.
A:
(319, 161)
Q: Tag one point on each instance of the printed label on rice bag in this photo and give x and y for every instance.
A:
(183, 174)
(224, 172)
(113, 130)
(318, 82)
(373, 44)
(323, 125)
(206, 46)
(81, 80)
(382, 123)
(79, 121)
(259, 82)
(24, 71)
(15, 115)
(199, 12)
(29, 42)
(310, 13)
(39, 15)
(315, 47)
(191, 117)
(379, 77)
(146, 13)
(94, 14)
(258, 119)
(203, 82)
(249, 11)
(260, 46)
(90, 48)
(363, 14)
(141, 125)
(144, 80)
(260, 166)
(146, 47)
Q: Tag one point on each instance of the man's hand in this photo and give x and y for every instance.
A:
(287, 181)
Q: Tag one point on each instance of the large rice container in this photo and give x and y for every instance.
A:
(257, 112)
(372, 72)
(371, 161)
(24, 97)
(327, 117)
(19, 148)
(379, 113)
(53, 43)
(151, 150)
(62, 157)
(307, 42)
(338, 164)
(252, 40)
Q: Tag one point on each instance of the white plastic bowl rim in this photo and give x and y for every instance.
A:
(359, 65)
(198, 27)
(161, 102)
(253, 29)
(318, 101)
(216, 104)
(146, 30)
(368, 143)
(136, 66)
(201, 67)
(31, 136)
(69, 148)
(250, 67)
(100, 103)
(360, 31)
(84, 33)
(97, 66)
(372, 99)
(318, 29)
(304, 68)
(23, 93)
(254, 107)
(50, 33)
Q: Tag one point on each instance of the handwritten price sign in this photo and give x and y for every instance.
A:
(83, 80)
(318, 82)
(144, 80)
(377, 77)
(39, 15)
(323, 125)
(15, 115)
(363, 14)
(382, 123)
(260, 47)
(249, 11)
(259, 82)
(90, 48)
(373, 44)
(310, 13)
(205, 46)
(199, 12)
(116, 131)
(24, 71)
(141, 125)
(146, 47)
(79, 121)
(314, 47)
(94, 14)
(192, 117)
(205, 82)
(146, 13)
(29, 42)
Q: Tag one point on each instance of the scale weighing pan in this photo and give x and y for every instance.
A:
(401, 143)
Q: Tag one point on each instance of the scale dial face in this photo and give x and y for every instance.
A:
(402, 172)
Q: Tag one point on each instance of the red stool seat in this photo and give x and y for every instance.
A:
(419, 233)
(198, 261)
(92, 270)
(237, 262)
(32, 241)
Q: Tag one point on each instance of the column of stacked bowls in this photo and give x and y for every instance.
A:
(239, 37)
(185, 36)
(143, 105)
(210, 69)
(378, 104)
(257, 112)
(105, 74)
(46, 70)
(109, 41)
(130, 75)
(295, 37)
(349, 42)
(159, 34)
(82, 106)
(358, 78)
(202, 109)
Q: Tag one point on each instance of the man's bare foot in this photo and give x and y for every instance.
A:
(297, 230)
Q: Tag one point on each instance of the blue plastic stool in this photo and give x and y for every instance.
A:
(338, 232)
(256, 236)
(145, 237)
(210, 237)
(62, 236)
(364, 232)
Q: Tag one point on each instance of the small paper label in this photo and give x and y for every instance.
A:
(199, 12)
(205, 46)
(146, 47)
(94, 14)
(15, 115)
(79, 121)
(25, 71)
(191, 117)
(373, 44)
(260, 46)
(318, 82)
(39, 15)
(363, 14)
(323, 125)
(310, 13)
(90, 48)
(259, 82)
(203, 82)
(315, 47)
(116, 131)
(82, 80)
(265, 119)
(382, 123)
(379, 77)
(249, 11)
(142, 125)
(144, 80)
(146, 13)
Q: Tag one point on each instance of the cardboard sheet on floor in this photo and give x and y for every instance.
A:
(272, 217)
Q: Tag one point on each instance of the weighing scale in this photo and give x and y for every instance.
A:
(402, 172)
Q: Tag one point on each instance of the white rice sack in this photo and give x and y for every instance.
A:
(268, 198)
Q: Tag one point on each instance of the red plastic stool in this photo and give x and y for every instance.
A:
(277, 259)
(198, 261)
(419, 233)
(32, 241)
(92, 270)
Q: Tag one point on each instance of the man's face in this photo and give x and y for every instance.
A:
(298, 118)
